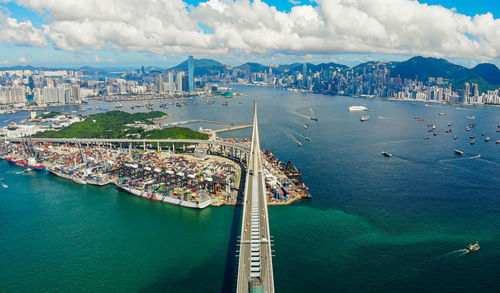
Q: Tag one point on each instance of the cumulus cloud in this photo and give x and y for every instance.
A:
(20, 33)
(22, 59)
(254, 27)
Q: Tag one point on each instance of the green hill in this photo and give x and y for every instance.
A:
(112, 124)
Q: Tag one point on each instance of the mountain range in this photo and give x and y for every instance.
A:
(486, 75)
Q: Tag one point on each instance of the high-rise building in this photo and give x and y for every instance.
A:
(475, 90)
(179, 80)
(159, 84)
(190, 73)
(466, 93)
(171, 83)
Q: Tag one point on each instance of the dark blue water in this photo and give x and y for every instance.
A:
(375, 224)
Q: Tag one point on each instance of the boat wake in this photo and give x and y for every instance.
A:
(460, 159)
(398, 141)
(388, 118)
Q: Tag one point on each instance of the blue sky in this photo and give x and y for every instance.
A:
(214, 31)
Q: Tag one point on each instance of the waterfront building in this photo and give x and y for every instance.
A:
(190, 74)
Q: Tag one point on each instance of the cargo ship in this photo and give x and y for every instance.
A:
(194, 202)
(27, 164)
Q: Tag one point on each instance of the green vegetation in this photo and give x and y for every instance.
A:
(113, 125)
(49, 115)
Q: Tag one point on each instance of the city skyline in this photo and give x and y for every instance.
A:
(42, 33)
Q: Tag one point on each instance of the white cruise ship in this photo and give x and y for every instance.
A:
(358, 108)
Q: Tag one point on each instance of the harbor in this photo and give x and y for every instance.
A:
(189, 178)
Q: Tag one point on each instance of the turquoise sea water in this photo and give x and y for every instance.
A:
(375, 224)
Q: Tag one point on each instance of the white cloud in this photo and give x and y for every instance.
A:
(22, 59)
(4, 62)
(20, 33)
(404, 27)
(99, 60)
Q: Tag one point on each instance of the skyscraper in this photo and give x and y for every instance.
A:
(160, 88)
(171, 84)
(190, 74)
(180, 77)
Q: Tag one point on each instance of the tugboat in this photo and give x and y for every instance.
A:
(308, 138)
(472, 247)
(365, 118)
(458, 152)
(386, 154)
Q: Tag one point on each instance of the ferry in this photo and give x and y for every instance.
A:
(458, 152)
(472, 247)
(299, 143)
(29, 164)
(308, 138)
(365, 118)
(357, 108)
(386, 154)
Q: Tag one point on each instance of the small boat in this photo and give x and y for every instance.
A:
(308, 138)
(473, 141)
(448, 131)
(471, 117)
(118, 105)
(498, 141)
(455, 137)
(483, 134)
(305, 126)
(442, 114)
(467, 128)
(487, 139)
(5, 185)
(427, 137)
(472, 247)
(472, 136)
(458, 152)
(314, 118)
(449, 124)
(299, 143)
(435, 134)
(386, 154)
(365, 118)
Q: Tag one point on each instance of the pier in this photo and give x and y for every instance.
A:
(255, 268)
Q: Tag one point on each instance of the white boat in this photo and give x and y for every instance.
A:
(365, 118)
(4, 185)
(357, 108)
(471, 117)
(118, 105)
(472, 247)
